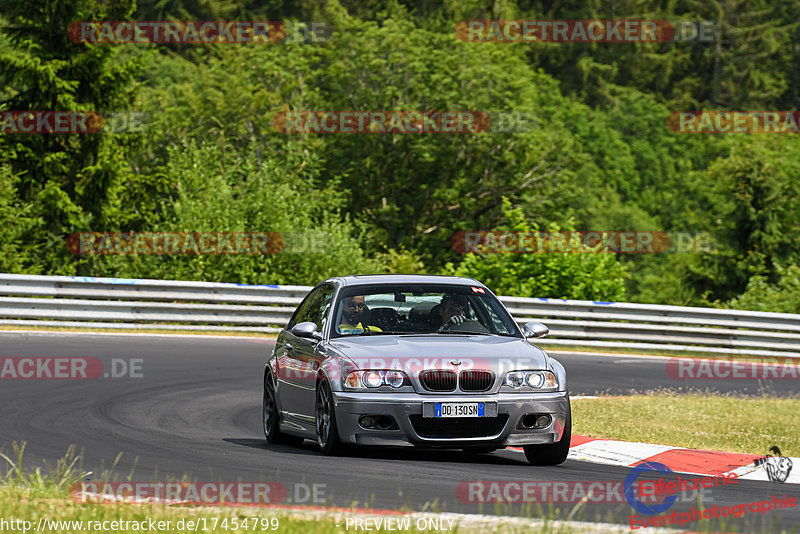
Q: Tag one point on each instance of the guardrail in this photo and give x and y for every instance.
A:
(115, 303)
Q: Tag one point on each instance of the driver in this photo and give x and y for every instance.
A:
(353, 316)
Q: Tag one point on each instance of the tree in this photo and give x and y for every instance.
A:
(73, 181)
(783, 296)
(744, 59)
(252, 196)
(753, 209)
(553, 275)
(15, 221)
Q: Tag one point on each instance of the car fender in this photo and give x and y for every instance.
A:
(559, 371)
(334, 368)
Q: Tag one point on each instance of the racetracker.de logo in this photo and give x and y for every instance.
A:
(584, 242)
(381, 122)
(565, 31)
(70, 122)
(723, 122)
(286, 367)
(191, 32)
(200, 493)
(196, 32)
(68, 368)
(550, 491)
(183, 243)
(56, 122)
(766, 369)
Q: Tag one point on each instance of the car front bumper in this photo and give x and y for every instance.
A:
(407, 409)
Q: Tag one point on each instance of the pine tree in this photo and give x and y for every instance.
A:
(73, 180)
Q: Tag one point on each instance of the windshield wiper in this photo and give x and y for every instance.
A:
(376, 333)
(466, 332)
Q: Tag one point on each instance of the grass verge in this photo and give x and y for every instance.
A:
(40, 500)
(694, 420)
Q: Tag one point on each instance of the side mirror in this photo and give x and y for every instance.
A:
(534, 329)
(307, 330)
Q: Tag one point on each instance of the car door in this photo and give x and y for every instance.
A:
(287, 363)
(303, 358)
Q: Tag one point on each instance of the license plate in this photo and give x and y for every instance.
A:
(459, 409)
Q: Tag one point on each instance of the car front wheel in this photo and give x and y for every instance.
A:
(327, 431)
(555, 453)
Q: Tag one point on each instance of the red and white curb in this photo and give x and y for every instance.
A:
(678, 459)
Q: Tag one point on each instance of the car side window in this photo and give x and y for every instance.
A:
(320, 308)
(315, 308)
(302, 309)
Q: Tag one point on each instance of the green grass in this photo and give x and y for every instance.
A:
(694, 420)
(44, 492)
(63, 511)
(32, 494)
(16, 502)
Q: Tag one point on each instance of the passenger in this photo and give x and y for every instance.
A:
(452, 309)
(354, 316)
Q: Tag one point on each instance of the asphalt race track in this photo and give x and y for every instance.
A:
(196, 412)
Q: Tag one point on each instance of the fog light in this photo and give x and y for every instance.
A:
(542, 421)
(534, 421)
(367, 421)
(384, 422)
(529, 420)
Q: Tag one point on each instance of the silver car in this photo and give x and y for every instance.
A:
(414, 360)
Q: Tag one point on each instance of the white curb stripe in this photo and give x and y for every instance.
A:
(609, 452)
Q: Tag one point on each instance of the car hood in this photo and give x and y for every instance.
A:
(436, 351)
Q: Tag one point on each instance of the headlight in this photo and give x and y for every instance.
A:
(532, 379)
(515, 379)
(535, 380)
(372, 379)
(394, 379)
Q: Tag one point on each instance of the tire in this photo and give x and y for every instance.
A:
(270, 417)
(325, 416)
(555, 453)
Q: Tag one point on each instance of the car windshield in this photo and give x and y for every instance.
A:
(420, 309)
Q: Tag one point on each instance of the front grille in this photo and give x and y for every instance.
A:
(472, 380)
(458, 427)
(437, 380)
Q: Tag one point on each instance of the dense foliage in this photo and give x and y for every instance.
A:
(594, 153)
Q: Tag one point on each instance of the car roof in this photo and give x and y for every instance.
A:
(372, 279)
